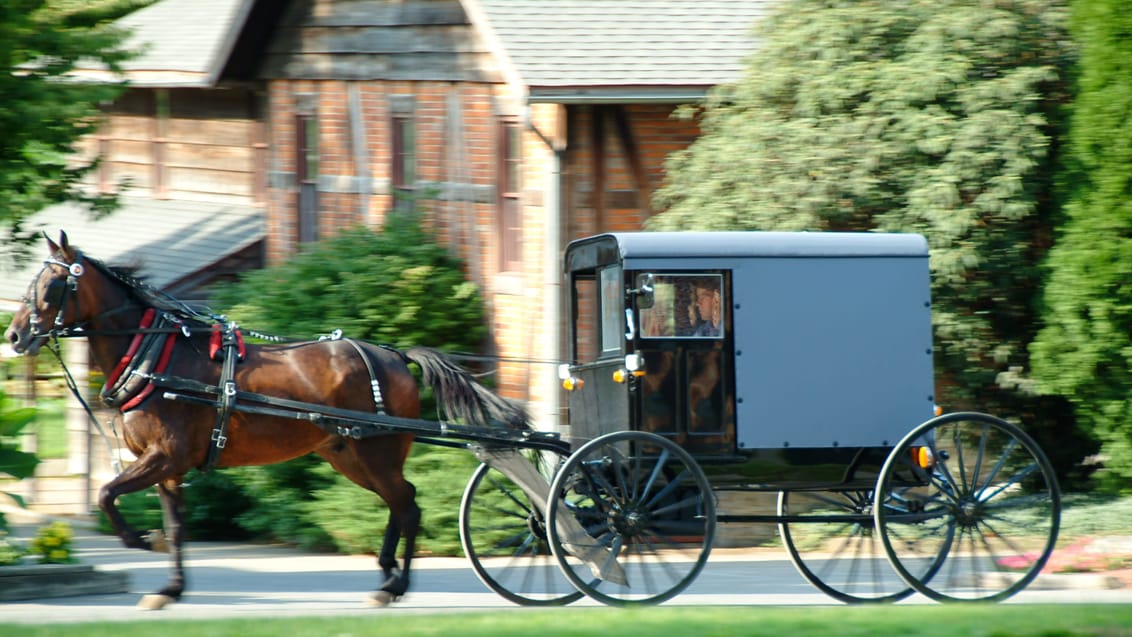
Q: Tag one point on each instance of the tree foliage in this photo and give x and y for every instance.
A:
(1085, 349)
(45, 113)
(929, 116)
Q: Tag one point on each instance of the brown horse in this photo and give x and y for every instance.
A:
(76, 295)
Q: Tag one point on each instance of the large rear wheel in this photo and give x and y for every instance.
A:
(632, 518)
(976, 493)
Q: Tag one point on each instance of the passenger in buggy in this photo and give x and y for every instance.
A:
(706, 313)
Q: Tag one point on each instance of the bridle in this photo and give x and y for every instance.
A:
(60, 293)
(64, 289)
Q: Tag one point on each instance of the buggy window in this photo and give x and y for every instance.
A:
(599, 320)
(612, 320)
(685, 306)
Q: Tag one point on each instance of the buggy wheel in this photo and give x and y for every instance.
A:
(832, 541)
(632, 518)
(978, 495)
(504, 536)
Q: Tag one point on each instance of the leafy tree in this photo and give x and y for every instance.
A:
(1085, 349)
(929, 116)
(44, 113)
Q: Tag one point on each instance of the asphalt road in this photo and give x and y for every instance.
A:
(242, 580)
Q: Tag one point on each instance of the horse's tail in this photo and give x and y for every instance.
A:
(462, 397)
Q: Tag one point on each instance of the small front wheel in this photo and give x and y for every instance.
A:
(632, 518)
(978, 508)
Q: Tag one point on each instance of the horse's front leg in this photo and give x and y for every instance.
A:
(148, 470)
(172, 514)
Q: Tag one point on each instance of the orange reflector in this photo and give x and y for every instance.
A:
(938, 410)
(923, 457)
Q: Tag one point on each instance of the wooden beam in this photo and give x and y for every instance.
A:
(597, 149)
(632, 153)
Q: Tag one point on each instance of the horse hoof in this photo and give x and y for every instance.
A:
(154, 602)
(381, 599)
(156, 541)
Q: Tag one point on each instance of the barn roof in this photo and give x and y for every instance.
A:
(164, 240)
(631, 50)
(182, 43)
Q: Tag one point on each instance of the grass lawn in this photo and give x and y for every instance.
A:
(722, 621)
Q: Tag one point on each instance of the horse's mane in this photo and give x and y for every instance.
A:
(150, 296)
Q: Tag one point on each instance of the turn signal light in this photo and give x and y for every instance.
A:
(923, 457)
(572, 384)
(620, 375)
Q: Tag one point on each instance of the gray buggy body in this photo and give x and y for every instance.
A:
(825, 346)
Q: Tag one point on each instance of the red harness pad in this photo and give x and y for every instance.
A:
(216, 340)
(146, 323)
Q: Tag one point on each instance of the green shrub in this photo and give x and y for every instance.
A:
(53, 544)
(397, 287)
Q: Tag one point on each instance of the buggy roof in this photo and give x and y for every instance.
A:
(615, 247)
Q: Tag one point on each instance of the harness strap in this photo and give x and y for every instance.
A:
(375, 387)
(232, 349)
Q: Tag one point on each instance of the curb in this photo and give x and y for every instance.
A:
(40, 581)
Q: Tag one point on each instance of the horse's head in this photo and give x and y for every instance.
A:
(51, 303)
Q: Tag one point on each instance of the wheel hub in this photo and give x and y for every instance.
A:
(968, 512)
(630, 520)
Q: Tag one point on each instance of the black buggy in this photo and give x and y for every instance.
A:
(796, 364)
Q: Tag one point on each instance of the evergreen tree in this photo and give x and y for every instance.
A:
(929, 116)
(1085, 349)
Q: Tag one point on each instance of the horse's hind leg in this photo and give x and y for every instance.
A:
(381, 473)
(397, 578)
(387, 558)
